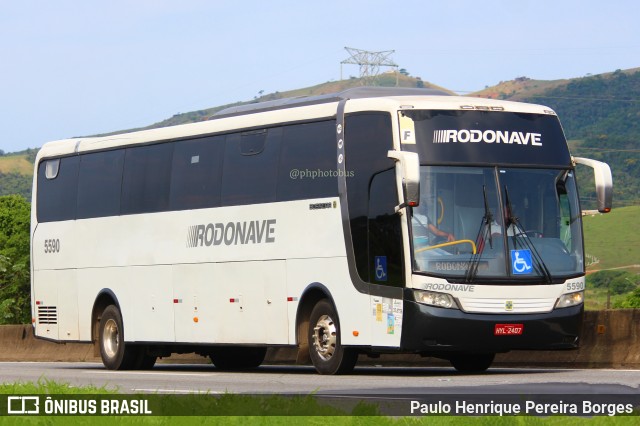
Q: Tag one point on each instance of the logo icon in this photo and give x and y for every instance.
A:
(381, 268)
(521, 263)
(23, 405)
(508, 305)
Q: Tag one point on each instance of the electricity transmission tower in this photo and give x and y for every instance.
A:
(369, 63)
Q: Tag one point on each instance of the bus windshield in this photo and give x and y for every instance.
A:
(490, 223)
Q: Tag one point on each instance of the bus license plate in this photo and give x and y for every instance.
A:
(508, 329)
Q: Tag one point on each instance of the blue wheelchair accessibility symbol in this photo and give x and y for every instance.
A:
(521, 262)
(381, 268)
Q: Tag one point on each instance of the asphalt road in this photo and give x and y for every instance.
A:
(180, 379)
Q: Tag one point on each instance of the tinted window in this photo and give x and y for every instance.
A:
(197, 173)
(100, 183)
(368, 139)
(251, 167)
(57, 196)
(476, 137)
(147, 176)
(385, 232)
(308, 162)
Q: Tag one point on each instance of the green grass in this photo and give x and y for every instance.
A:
(596, 299)
(614, 238)
(303, 409)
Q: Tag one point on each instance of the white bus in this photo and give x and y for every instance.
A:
(364, 222)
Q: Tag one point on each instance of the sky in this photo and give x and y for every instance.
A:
(72, 68)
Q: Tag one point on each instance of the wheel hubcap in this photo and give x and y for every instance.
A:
(324, 337)
(110, 339)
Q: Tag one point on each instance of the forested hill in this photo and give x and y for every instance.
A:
(603, 112)
(601, 118)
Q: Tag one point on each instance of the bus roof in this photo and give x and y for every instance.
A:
(282, 111)
(353, 93)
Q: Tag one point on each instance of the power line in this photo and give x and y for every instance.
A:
(579, 148)
(577, 98)
(580, 98)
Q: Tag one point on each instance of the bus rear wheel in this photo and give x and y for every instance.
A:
(325, 348)
(471, 363)
(115, 353)
(237, 357)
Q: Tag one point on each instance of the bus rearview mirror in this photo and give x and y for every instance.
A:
(409, 164)
(603, 182)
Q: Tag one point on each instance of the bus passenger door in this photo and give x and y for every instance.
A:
(386, 267)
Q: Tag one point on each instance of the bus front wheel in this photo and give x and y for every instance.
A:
(237, 357)
(327, 353)
(115, 353)
(471, 363)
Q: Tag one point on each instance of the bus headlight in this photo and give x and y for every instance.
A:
(441, 300)
(570, 299)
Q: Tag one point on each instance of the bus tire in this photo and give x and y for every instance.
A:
(237, 357)
(115, 353)
(145, 361)
(471, 362)
(325, 349)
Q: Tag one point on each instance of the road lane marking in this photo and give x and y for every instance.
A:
(152, 373)
(184, 391)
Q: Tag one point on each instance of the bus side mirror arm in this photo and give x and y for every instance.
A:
(603, 182)
(409, 164)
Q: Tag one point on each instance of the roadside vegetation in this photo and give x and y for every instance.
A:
(612, 244)
(15, 301)
(613, 290)
(16, 173)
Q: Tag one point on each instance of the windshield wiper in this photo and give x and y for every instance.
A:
(488, 216)
(518, 231)
(484, 233)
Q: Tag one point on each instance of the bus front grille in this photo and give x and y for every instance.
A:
(507, 306)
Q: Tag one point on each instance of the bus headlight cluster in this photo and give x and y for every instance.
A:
(570, 299)
(441, 300)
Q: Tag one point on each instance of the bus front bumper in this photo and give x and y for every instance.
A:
(430, 329)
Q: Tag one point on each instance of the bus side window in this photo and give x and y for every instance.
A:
(100, 183)
(147, 174)
(250, 169)
(57, 189)
(196, 176)
(308, 148)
